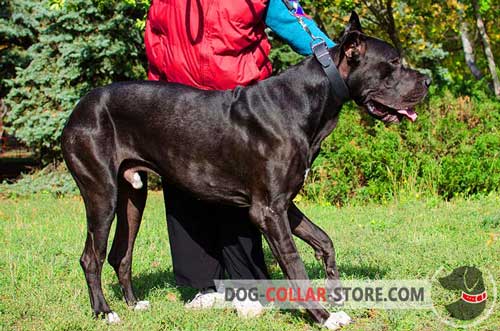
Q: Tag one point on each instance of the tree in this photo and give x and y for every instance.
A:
(487, 47)
(18, 30)
(383, 12)
(3, 111)
(80, 45)
(467, 44)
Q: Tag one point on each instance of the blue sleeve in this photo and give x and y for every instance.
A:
(285, 25)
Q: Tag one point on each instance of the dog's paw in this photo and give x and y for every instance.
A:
(337, 320)
(342, 317)
(141, 305)
(112, 318)
(331, 324)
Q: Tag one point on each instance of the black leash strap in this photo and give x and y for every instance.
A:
(320, 50)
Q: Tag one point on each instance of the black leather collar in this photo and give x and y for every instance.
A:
(321, 53)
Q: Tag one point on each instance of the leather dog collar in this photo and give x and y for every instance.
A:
(474, 298)
(321, 53)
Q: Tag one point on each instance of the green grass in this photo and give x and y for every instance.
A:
(42, 286)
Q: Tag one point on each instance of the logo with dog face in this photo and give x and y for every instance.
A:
(469, 280)
(466, 299)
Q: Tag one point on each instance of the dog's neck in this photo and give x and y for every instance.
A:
(314, 106)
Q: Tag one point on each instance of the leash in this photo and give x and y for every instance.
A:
(320, 50)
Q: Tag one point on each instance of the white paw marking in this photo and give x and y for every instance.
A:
(136, 181)
(330, 324)
(141, 305)
(112, 318)
(344, 319)
(336, 320)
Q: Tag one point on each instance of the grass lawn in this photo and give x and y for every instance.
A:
(43, 288)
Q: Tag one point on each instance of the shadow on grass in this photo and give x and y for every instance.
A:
(145, 283)
(316, 270)
(361, 272)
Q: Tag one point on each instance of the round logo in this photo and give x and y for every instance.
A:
(464, 296)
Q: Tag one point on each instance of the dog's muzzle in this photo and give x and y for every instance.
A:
(388, 114)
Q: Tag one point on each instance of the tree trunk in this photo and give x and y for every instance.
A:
(382, 11)
(391, 28)
(3, 111)
(468, 50)
(487, 48)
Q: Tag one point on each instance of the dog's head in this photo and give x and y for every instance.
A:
(376, 77)
(467, 279)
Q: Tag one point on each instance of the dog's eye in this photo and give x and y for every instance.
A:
(396, 61)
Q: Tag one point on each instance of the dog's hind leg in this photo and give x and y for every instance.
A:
(100, 207)
(130, 206)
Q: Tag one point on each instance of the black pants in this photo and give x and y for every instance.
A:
(207, 240)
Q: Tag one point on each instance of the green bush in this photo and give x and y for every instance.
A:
(57, 50)
(53, 180)
(17, 33)
(452, 149)
(80, 44)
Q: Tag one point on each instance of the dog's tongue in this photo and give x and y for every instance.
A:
(409, 113)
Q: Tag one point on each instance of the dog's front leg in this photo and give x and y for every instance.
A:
(274, 224)
(312, 234)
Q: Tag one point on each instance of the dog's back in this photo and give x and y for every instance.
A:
(158, 126)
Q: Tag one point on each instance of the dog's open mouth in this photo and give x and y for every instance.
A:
(388, 114)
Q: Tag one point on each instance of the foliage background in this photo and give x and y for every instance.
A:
(73, 46)
(54, 51)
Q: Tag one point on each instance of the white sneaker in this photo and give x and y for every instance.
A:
(248, 308)
(205, 300)
(337, 320)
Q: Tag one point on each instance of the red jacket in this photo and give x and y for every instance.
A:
(208, 44)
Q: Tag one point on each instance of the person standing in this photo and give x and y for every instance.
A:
(217, 45)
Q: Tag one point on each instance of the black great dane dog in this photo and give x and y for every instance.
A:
(248, 147)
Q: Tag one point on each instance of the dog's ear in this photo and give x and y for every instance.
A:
(353, 46)
(354, 24)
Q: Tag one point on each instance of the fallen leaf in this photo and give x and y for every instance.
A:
(493, 237)
(171, 297)
(372, 313)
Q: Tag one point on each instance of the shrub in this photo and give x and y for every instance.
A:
(80, 45)
(53, 180)
(63, 48)
(452, 149)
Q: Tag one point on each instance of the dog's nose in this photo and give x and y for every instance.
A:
(428, 81)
